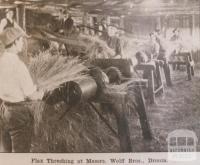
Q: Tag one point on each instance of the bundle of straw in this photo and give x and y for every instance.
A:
(52, 71)
(96, 48)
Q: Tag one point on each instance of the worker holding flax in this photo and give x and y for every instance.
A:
(152, 48)
(16, 88)
(164, 55)
(176, 41)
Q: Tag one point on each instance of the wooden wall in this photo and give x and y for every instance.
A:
(140, 26)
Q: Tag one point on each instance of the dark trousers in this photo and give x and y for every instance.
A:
(16, 128)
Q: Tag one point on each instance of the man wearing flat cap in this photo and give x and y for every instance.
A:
(16, 88)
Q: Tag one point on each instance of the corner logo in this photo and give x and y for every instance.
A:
(182, 145)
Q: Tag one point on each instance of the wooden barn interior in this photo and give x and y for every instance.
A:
(107, 97)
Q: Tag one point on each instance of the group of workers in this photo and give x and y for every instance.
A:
(65, 26)
(16, 88)
(158, 49)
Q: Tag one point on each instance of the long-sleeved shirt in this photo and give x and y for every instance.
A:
(152, 49)
(15, 80)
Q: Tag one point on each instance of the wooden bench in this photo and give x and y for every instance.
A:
(152, 72)
(115, 100)
(187, 61)
(127, 69)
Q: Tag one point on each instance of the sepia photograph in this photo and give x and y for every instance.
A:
(99, 76)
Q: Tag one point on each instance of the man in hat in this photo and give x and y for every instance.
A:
(152, 47)
(176, 35)
(163, 55)
(176, 41)
(16, 87)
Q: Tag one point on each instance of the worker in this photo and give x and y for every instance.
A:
(152, 47)
(141, 57)
(67, 23)
(176, 41)
(163, 55)
(96, 26)
(118, 48)
(176, 35)
(16, 88)
(8, 21)
(68, 30)
(104, 29)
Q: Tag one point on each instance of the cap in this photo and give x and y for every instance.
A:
(9, 35)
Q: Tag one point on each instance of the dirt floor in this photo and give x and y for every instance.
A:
(177, 108)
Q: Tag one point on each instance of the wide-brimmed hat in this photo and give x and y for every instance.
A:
(9, 35)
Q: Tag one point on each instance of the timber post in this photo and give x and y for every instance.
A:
(116, 102)
(189, 69)
(151, 86)
(122, 126)
(141, 110)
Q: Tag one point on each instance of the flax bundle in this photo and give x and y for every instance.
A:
(52, 71)
(96, 48)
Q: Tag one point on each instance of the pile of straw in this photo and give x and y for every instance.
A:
(80, 130)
